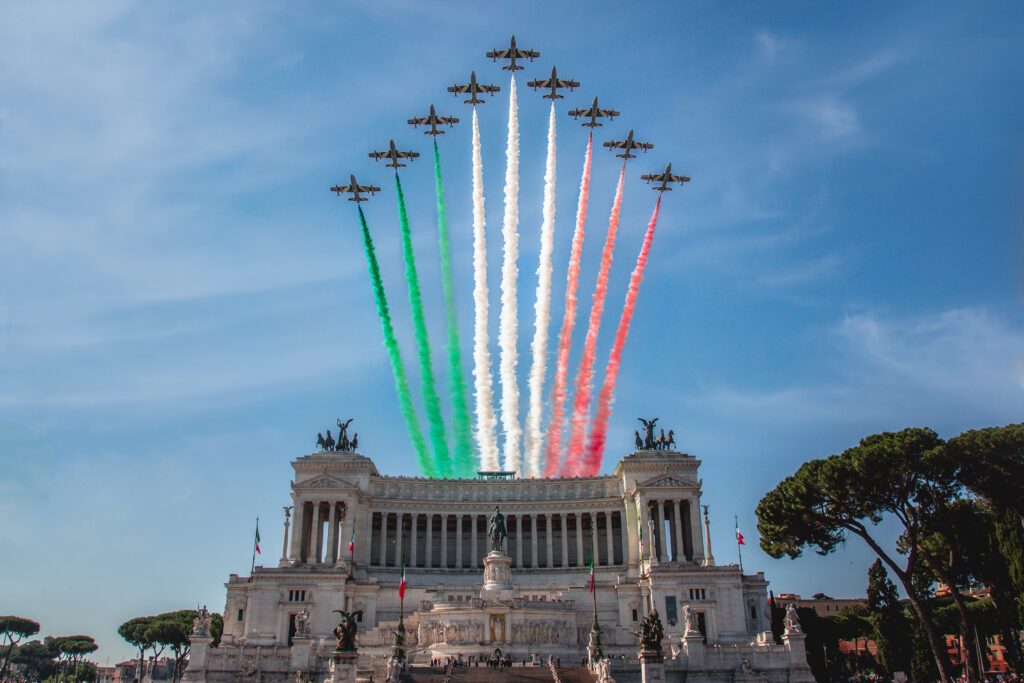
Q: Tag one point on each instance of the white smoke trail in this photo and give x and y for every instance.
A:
(485, 419)
(542, 313)
(508, 320)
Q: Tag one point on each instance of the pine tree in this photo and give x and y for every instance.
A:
(886, 616)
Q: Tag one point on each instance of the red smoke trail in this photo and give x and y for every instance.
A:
(599, 428)
(585, 375)
(572, 283)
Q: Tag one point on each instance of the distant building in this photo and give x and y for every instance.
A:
(823, 605)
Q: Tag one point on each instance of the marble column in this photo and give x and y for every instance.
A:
(696, 534)
(519, 541)
(284, 545)
(414, 519)
(399, 517)
(608, 537)
(384, 539)
(444, 541)
(473, 545)
(595, 547)
(428, 559)
(662, 541)
(299, 517)
(581, 561)
(549, 534)
(677, 515)
(331, 552)
(314, 536)
(533, 541)
(565, 540)
(458, 541)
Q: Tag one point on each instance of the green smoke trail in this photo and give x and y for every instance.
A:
(438, 437)
(394, 355)
(463, 461)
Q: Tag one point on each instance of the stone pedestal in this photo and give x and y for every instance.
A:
(800, 671)
(342, 668)
(302, 646)
(497, 577)
(652, 667)
(196, 670)
(693, 650)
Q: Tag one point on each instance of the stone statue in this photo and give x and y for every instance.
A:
(496, 530)
(638, 443)
(345, 633)
(201, 624)
(662, 441)
(691, 626)
(649, 442)
(792, 620)
(671, 443)
(355, 441)
(343, 442)
(651, 633)
(328, 441)
(302, 623)
(604, 674)
(745, 667)
(320, 442)
(394, 670)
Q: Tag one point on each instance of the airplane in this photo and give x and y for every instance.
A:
(512, 54)
(665, 178)
(432, 120)
(554, 83)
(474, 89)
(355, 189)
(394, 155)
(593, 113)
(629, 144)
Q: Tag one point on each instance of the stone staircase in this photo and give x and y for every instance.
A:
(540, 674)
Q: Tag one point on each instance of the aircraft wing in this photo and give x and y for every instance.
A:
(680, 178)
(488, 88)
(458, 88)
(643, 145)
(408, 155)
(568, 84)
(527, 54)
(342, 188)
(365, 188)
(378, 155)
(610, 113)
(420, 121)
(500, 54)
(447, 120)
(616, 144)
(650, 177)
(576, 113)
(540, 83)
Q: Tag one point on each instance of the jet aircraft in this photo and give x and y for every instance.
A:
(665, 178)
(554, 83)
(593, 114)
(394, 155)
(628, 145)
(512, 54)
(474, 89)
(355, 189)
(432, 120)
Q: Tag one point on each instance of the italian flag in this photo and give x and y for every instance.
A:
(591, 566)
(640, 528)
(258, 538)
(401, 584)
(352, 543)
(739, 537)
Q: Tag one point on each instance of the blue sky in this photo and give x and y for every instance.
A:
(183, 305)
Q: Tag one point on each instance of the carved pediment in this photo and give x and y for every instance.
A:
(667, 481)
(325, 481)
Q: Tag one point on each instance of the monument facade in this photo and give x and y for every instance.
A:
(498, 563)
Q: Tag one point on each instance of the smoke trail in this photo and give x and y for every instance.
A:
(485, 420)
(585, 374)
(463, 461)
(599, 428)
(507, 322)
(542, 312)
(394, 355)
(554, 436)
(431, 402)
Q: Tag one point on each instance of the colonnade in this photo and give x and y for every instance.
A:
(459, 540)
(676, 523)
(316, 535)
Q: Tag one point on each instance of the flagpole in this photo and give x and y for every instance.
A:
(739, 546)
(252, 569)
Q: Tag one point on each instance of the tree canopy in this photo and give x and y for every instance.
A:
(13, 630)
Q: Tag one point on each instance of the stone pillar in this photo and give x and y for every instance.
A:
(331, 552)
(549, 534)
(533, 540)
(399, 518)
(709, 558)
(519, 541)
(284, 544)
(428, 560)
(565, 540)
(799, 671)
(383, 539)
(580, 560)
(595, 547)
(631, 552)
(473, 545)
(414, 522)
(693, 648)
(652, 667)
(696, 535)
(342, 668)
(315, 533)
(296, 542)
(677, 515)
(458, 541)
(198, 652)
(301, 649)
(608, 537)
(662, 544)
(444, 541)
